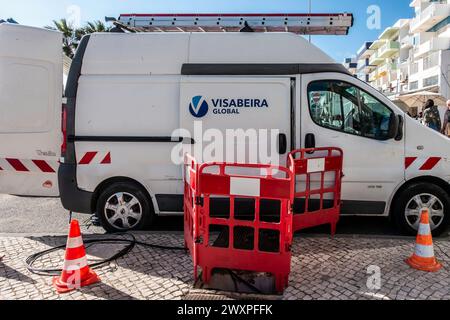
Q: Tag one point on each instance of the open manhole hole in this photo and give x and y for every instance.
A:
(205, 296)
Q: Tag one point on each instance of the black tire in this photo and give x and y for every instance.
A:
(400, 206)
(129, 189)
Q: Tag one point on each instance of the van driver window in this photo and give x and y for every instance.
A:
(341, 106)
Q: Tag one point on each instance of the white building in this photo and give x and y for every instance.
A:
(364, 68)
(351, 64)
(67, 62)
(388, 53)
(429, 66)
(413, 55)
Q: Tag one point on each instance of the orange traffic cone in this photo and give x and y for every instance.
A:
(76, 271)
(423, 258)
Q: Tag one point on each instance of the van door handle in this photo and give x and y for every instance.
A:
(282, 143)
(310, 141)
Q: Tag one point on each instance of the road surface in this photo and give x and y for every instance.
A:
(19, 215)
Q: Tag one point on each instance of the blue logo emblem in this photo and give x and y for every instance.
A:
(199, 107)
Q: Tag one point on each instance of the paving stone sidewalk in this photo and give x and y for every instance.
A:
(322, 268)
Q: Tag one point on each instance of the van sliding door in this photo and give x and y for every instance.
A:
(237, 119)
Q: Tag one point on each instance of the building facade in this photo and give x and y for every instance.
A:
(351, 65)
(429, 67)
(386, 51)
(411, 56)
(364, 68)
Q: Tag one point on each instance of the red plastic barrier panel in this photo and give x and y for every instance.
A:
(190, 214)
(239, 221)
(318, 178)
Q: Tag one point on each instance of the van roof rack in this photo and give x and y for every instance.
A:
(298, 23)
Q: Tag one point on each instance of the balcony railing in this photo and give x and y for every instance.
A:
(431, 61)
(433, 14)
(375, 59)
(407, 41)
(388, 49)
(434, 44)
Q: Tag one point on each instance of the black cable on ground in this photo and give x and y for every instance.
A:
(131, 244)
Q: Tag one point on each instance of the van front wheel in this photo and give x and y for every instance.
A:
(124, 207)
(417, 197)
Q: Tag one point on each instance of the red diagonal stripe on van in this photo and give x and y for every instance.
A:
(43, 166)
(17, 165)
(107, 159)
(409, 161)
(88, 157)
(430, 163)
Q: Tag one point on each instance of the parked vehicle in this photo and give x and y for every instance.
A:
(127, 93)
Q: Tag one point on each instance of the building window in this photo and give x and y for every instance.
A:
(431, 61)
(414, 85)
(431, 81)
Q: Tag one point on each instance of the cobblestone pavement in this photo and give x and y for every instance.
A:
(322, 268)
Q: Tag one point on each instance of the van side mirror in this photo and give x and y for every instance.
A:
(399, 136)
(393, 126)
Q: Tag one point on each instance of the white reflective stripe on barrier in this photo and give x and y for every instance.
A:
(73, 243)
(424, 251)
(424, 229)
(316, 165)
(188, 175)
(73, 265)
(245, 187)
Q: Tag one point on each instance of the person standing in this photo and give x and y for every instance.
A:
(446, 126)
(431, 116)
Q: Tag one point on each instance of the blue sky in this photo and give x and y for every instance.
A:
(42, 12)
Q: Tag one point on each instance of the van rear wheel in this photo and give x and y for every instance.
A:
(417, 197)
(123, 207)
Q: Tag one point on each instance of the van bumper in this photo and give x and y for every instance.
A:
(72, 198)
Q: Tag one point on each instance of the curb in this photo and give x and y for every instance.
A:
(86, 235)
(368, 236)
(180, 233)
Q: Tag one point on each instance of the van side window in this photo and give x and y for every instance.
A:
(340, 106)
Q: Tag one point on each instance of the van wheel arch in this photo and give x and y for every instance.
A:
(431, 180)
(105, 184)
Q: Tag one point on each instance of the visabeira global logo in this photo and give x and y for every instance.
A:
(199, 107)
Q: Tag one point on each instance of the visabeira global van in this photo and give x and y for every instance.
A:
(128, 93)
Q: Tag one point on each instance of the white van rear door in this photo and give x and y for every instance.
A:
(31, 83)
(238, 119)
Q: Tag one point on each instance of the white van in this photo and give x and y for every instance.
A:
(127, 93)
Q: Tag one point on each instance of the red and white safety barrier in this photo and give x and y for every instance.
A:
(32, 166)
(94, 157)
(421, 164)
(201, 187)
